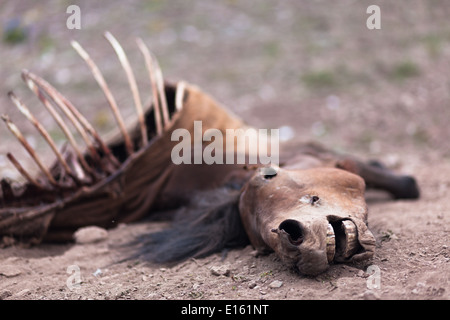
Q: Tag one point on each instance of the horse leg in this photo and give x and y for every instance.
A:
(377, 176)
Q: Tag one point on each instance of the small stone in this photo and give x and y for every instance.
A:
(252, 285)
(394, 237)
(370, 295)
(276, 284)
(361, 274)
(9, 271)
(254, 253)
(420, 284)
(220, 271)
(24, 292)
(418, 288)
(90, 234)
(5, 294)
(97, 273)
(147, 277)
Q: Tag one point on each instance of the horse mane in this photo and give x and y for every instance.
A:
(209, 224)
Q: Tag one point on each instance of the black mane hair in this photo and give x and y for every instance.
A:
(209, 224)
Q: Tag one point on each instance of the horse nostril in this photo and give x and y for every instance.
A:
(293, 229)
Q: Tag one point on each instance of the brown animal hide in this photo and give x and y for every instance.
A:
(311, 211)
(309, 217)
(126, 194)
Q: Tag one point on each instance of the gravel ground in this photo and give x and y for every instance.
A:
(310, 67)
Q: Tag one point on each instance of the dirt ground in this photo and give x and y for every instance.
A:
(309, 67)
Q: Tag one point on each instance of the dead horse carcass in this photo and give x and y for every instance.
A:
(310, 210)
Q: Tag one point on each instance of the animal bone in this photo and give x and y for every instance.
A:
(307, 235)
(111, 100)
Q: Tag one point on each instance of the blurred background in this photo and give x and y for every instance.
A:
(309, 67)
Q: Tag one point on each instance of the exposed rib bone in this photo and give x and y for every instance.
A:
(103, 85)
(73, 163)
(162, 92)
(151, 73)
(68, 108)
(132, 81)
(33, 87)
(16, 132)
(23, 172)
(78, 120)
(179, 95)
(54, 94)
(156, 70)
(26, 112)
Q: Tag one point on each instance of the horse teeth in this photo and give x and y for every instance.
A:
(342, 240)
(351, 244)
(331, 243)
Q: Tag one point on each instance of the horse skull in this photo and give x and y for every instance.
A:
(310, 218)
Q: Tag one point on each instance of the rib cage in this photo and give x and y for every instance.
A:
(26, 210)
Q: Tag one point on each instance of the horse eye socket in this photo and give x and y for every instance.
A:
(270, 176)
(268, 172)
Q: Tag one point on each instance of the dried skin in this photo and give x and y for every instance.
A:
(310, 212)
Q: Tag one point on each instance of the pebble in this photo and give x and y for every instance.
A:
(254, 253)
(276, 284)
(97, 273)
(90, 234)
(147, 277)
(361, 274)
(24, 292)
(9, 271)
(5, 294)
(370, 295)
(220, 271)
(417, 289)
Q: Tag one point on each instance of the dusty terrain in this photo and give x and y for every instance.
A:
(310, 67)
